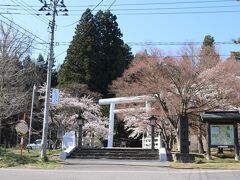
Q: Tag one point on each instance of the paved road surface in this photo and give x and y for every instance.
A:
(117, 172)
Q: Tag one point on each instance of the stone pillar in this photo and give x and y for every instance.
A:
(152, 138)
(236, 141)
(183, 135)
(80, 136)
(208, 142)
(111, 125)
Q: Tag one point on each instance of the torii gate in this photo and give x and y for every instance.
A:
(124, 100)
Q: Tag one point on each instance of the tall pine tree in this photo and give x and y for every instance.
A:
(97, 54)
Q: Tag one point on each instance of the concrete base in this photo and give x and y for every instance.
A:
(184, 158)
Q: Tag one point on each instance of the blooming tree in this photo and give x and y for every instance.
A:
(70, 110)
(180, 85)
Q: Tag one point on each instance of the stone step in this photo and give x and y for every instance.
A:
(118, 150)
(122, 155)
(111, 152)
(115, 157)
(116, 153)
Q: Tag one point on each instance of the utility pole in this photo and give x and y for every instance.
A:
(51, 8)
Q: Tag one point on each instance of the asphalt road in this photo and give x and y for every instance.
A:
(117, 172)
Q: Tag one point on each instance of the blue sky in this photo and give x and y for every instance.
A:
(168, 21)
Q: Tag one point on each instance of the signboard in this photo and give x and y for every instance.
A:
(21, 127)
(55, 96)
(222, 135)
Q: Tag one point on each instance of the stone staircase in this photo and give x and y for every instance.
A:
(116, 153)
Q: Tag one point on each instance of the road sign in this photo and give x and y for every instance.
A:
(21, 127)
(55, 96)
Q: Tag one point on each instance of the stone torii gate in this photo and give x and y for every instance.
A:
(124, 100)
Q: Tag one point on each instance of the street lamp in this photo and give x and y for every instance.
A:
(152, 120)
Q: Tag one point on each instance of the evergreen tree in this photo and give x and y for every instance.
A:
(79, 52)
(208, 54)
(208, 41)
(113, 55)
(97, 54)
(41, 69)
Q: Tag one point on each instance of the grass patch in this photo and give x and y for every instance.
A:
(225, 161)
(12, 158)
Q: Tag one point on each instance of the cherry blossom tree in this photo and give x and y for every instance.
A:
(69, 111)
(180, 85)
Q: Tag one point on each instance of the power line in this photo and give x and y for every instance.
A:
(173, 43)
(137, 4)
(37, 42)
(91, 11)
(161, 3)
(29, 10)
(174, 13)
(221, 55)
(145, 13)
(174, 8)
(43, 41)
(114, 1)
(158, 44)
(153, 8)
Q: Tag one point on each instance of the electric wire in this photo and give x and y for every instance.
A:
(178, 13)
(24, 30)
(114, 1)
(30, 11)
(139, 4)
(153, 8)
(141, 13)
(78, 20)
(173, 43)
(43, 41)
(163, 44)
(160, 3)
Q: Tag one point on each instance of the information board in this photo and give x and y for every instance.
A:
(222, 135)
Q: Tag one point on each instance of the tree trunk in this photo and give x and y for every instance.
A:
(200, 144)
(0, 132)
(178, 141)
(171, 141)
(5, 142)
(200, 141)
